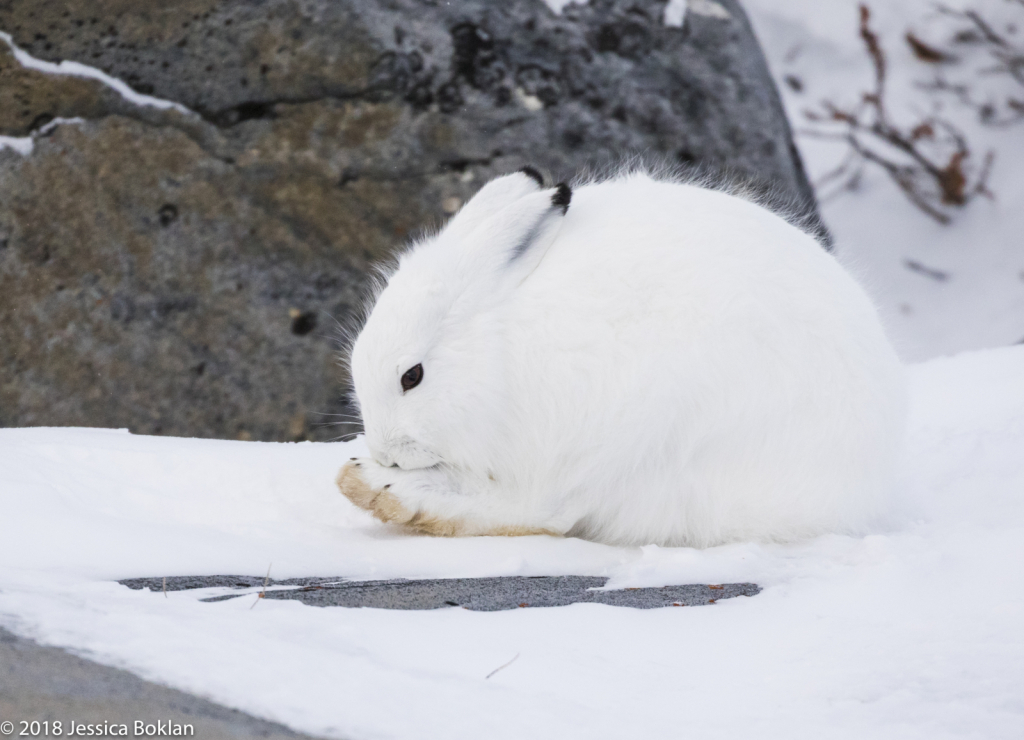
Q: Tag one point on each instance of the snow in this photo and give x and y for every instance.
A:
(981, 303)
(76, 69)
(910, 632)
(23, 145)
(709, 8)
(558, 5)
(675, 13)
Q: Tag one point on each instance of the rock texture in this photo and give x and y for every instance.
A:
(182, 273)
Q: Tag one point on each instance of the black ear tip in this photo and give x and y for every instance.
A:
(533, 174)
(562, 197)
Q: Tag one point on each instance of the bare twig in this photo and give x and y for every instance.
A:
(504, 665)
(1006, 57)
(928, 272)
(870, 39)
(927, 161)
(263, 594)
(987, 32)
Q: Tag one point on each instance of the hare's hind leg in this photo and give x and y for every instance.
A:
(424, 500)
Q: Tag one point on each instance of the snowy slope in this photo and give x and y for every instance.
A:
(912, 632)
(981, 302)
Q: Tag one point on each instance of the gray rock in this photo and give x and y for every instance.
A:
(183, 273)
(47, 684)
(475, 594)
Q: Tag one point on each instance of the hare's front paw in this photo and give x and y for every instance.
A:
(359, 481)
(423, 500)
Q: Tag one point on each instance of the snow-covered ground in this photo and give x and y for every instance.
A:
(912, 632)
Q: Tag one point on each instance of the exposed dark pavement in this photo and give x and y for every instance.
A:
(476, 594)
(49, 684)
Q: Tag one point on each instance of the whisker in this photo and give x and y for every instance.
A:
(343, 438)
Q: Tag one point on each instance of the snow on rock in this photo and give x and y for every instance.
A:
(558, 5)
(77, 69)
(23, 145)
(709, 8)
(675, 10)
(675, 13)
(911, 632)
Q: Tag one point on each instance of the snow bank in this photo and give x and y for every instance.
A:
(913, 632)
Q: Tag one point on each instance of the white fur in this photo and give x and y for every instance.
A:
(665, 364)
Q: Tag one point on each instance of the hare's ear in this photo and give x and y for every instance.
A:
(494, 197)
(517, 237)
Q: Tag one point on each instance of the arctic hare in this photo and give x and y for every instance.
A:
(634, 361)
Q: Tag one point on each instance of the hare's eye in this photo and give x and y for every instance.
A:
(412, 378)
